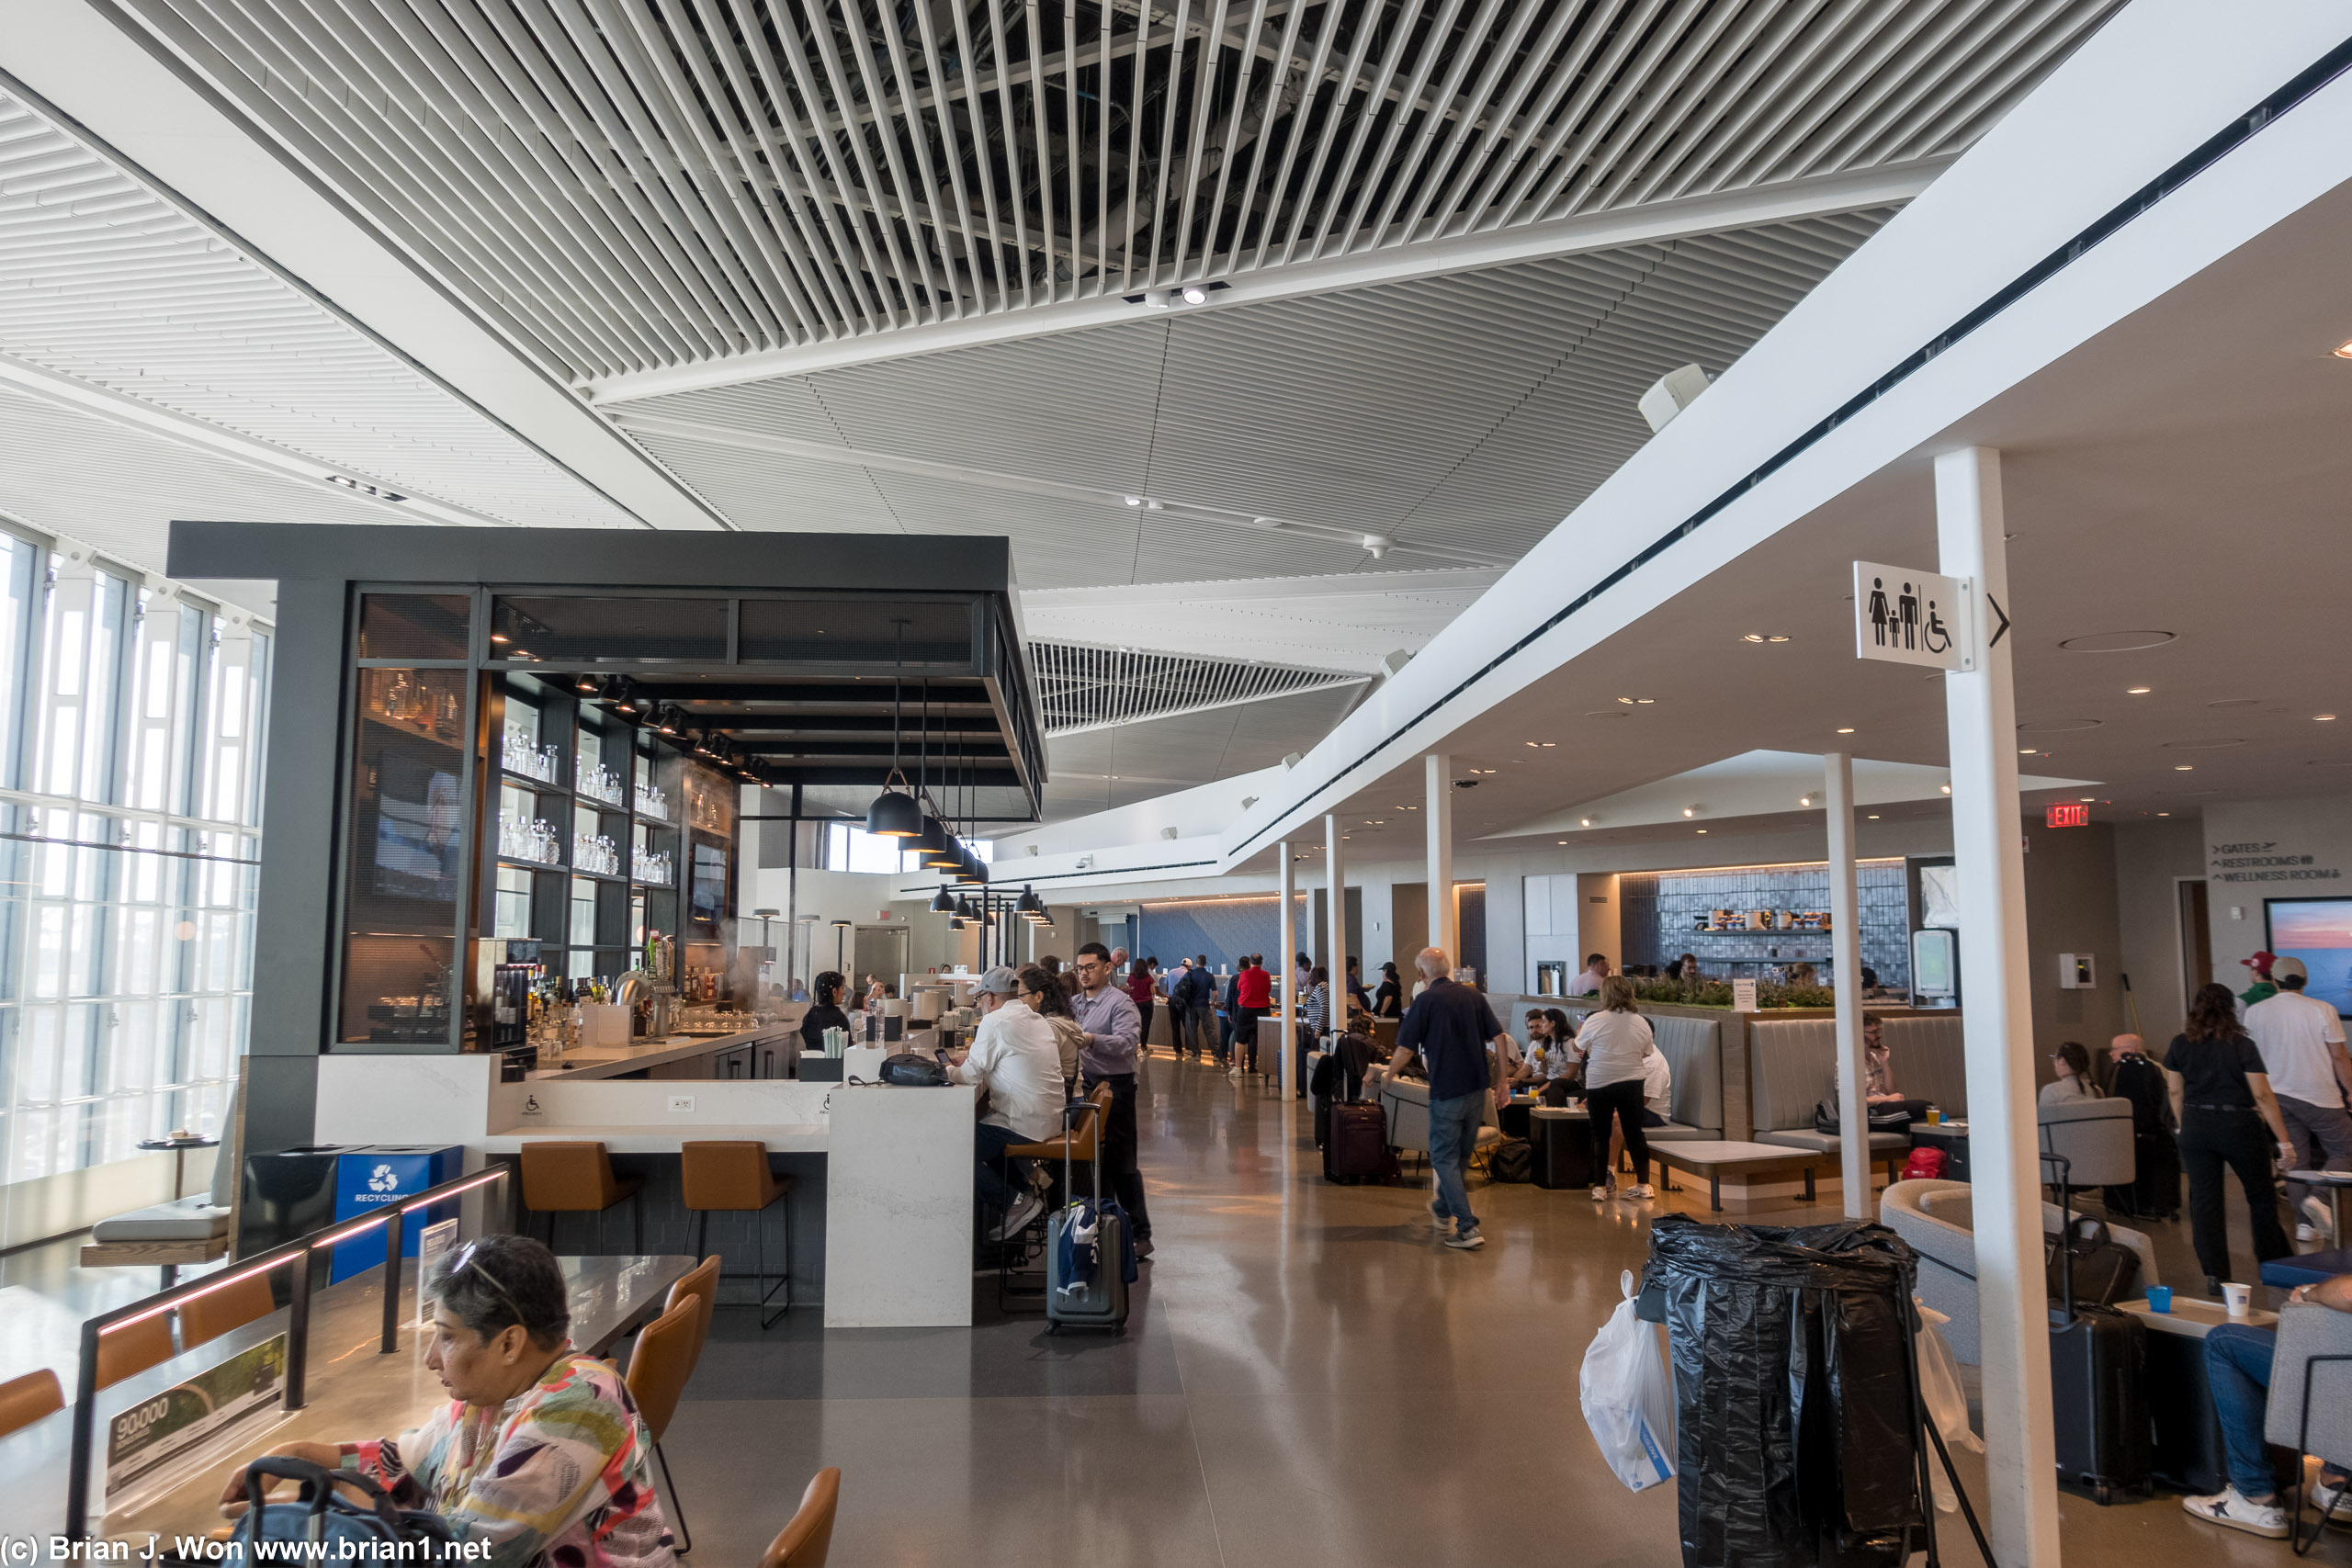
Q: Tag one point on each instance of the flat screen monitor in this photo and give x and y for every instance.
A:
(2318, 931)
(416, 830)
(709, 891)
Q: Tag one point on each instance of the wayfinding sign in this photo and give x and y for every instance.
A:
(1914, 617)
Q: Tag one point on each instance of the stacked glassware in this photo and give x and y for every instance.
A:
(600, 783)
(596, 854)
(654, 867)
(533, 841)
(651, 802)
(519, 756)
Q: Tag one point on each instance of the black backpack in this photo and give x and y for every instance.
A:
(1512, 1161)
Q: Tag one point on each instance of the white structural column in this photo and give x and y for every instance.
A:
(1438, 786)
(1286, 946)
(1987, 836)
(1336, 924)
(1845, 973)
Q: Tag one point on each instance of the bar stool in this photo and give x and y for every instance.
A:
(561, 1176)
(731, 1176)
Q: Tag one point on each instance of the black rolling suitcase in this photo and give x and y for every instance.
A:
(1358, 1149)
(1320, 1080)
(1102, 1301)
(2099, 1383)
(1561, 1142)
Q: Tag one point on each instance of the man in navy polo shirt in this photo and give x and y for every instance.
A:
(1448, 1026)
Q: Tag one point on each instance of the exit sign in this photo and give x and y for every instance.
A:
(2075, 813)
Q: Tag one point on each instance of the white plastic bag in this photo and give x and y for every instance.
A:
(1629, 1396)
(1946, 1400)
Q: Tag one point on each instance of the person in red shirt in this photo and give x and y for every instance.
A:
(1253, 996)
(1141, 979)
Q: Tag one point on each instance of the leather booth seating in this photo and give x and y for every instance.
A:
(1793, 1067)
(1693, 1053)
(1937, 1220)
(2307, 1269)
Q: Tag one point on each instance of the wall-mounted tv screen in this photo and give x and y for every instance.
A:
(709, 891)
(2318, 931)
(416, 830)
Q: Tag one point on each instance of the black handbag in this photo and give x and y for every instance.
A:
(1512, 1161)
(382, 1531)
(909, 1070)
(1895, 1119)
(2105, 1270)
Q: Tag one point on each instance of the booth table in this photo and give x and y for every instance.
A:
(353, 1389)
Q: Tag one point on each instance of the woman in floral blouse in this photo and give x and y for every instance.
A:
(540, 1454)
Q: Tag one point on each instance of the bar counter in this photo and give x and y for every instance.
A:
(883, 1177)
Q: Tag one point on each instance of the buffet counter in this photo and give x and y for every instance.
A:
(883, 1175)
(677, 1057)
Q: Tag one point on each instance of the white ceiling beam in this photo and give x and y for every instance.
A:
(1781, 202)
(166, 120)
(645, 421)
(73, 392)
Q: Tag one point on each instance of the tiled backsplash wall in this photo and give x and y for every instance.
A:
(1661, 909)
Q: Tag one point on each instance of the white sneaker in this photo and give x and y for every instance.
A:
(1635, 1195)
(1600, 1194)
(2231, 1511)
(2305, 1233)
(2335, 1502)
(1017, 1218)
(2323, 1219)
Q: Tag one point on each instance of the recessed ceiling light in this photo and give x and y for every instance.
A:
(1702, 830)
(498, 636)
(2324, 718)
(2344, 351)
(2183, 768)
(1847, 730)
(2028, 751)
(1560, 840)
(1874, 816)
(2089, 798)
(1804, 800)
(1588, 822)
(2137, 690)
(1947, 789)
(1752, 636)
(1638, 702)
(1689, 811)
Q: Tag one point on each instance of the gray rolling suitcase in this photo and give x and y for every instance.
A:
(1102, 1302)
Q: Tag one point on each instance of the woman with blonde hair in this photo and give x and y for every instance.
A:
(1616, 1039)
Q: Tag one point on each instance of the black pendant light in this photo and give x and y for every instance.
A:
(895, 814)
(941, 904)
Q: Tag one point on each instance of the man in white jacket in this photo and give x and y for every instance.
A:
(1015, 1058)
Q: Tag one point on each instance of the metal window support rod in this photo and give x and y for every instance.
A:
(297, 1251)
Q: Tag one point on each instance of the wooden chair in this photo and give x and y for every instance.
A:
(803, 1542)
(28, 1399)
(133, 1347)
(233, 1307)
(659, 1365)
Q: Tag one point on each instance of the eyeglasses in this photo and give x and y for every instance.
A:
(1088, 963)
(466, 1259)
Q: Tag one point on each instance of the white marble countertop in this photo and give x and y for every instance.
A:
(606, 1062)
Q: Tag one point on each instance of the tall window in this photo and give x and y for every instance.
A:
(855, 849)
(129, 803)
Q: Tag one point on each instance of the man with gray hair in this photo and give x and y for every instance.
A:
(1448, 1026)
(1016, 1057)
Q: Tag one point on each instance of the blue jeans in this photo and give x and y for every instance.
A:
(988, 1143)
(1453, 1133)
(2237, 1368)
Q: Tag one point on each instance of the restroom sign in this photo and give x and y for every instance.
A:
(1913, 617)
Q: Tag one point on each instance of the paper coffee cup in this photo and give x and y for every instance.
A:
(2239, 1299)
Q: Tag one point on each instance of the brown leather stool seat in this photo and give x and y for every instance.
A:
(28, 1399)
(563, 1177)
(731, 1176)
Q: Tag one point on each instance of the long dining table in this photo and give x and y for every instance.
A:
(354, 1390)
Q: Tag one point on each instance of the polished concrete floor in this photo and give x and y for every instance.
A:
(1308, 1378)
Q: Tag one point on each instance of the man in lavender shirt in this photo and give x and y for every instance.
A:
(1113, 1030)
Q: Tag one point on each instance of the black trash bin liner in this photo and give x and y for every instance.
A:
(1794, 1390)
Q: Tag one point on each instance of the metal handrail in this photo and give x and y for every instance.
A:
(390, 1216)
